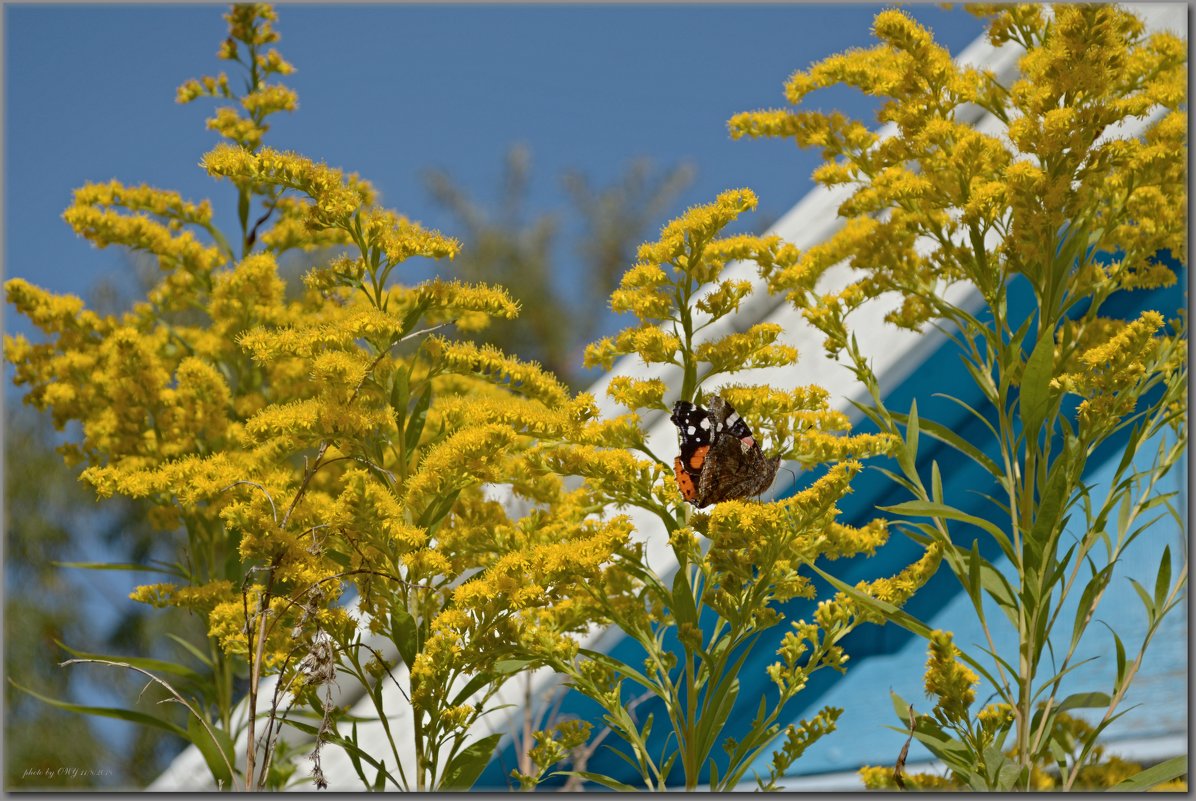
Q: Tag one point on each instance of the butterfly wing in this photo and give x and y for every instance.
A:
(693, 435)
(735, 466)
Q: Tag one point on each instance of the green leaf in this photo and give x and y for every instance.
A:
(108, 712)
(1050, 504)
(890, 612)
(506, 667)
(465, 768)
(946, 435)
(667, 768)
(973, 585)
(400, 394)
(403, 632)
(217, 753)
(901, 707)
(1146, 599)
(598, 778)
(476, 683)
(683, 599)
(929, 509)
(1095, 585)
(191, 649)
(1035, 396)
(1153, 776)
(419, 415)
(1086, 701)
(152, 665)
(380, 779)
(907, 457)
(1162, 582)
(439, 510)
(131, 566)
(1120, 648)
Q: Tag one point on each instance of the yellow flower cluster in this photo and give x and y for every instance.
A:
(187, 261)
(949, 680)
(939, 181)
(490, 363)
(637, 393)
(1112, 372)
(250, 25)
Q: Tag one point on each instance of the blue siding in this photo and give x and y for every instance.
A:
(884, 658)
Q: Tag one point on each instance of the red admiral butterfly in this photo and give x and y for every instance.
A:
(720, 459)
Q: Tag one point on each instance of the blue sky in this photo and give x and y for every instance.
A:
(390, 91)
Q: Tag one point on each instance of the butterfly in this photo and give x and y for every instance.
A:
(720, 459)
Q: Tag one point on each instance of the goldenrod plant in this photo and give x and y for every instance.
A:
(1068, 199)
(317, 461)
(357, 496)
(737, 563)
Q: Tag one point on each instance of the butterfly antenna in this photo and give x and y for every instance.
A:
(790, 472)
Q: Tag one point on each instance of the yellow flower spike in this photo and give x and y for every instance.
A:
(467, 457)
(525, 416)
(725, 299)
(749, 349)
(616, 475)
(619, 432)
(159, 202)
(948, 679)
(455, 297)
(652, 344)
(637, 393)
(269, 100)
(139, 232)
(198, 411)
(490, 363)
(899, 588)
(601, 354)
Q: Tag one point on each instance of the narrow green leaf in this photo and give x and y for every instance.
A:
(465, 768)
(108, 712)
(973, 585)
(403, 633)
(400, 395)
(668, 766)
(145, 663)
(218, 753)
(929, 509)
(476, 683)
(949, 437)
(936, 483)
(1120, 660)
(165, 570)
(1162, 582)
(1154, 776)
(506, 667)
(439, 510)
(714, 775)
(908, 457)
(890, 612)
(380, 779)
(1050, 505)
(415, 425)
(901, 707)
(191, 649)
(605, 781)
(1084, 608)
(1147, 601)
(1086, 701)
(683, 600)
(1035, 396)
